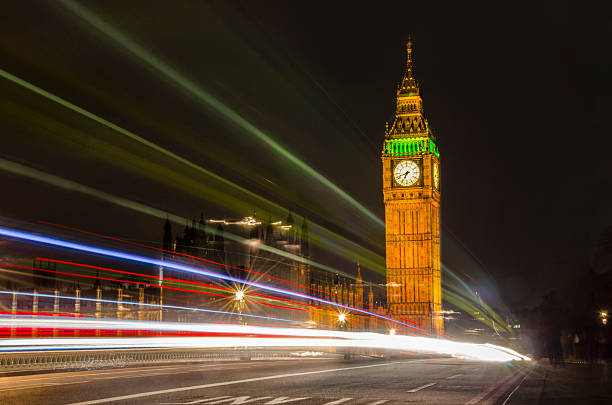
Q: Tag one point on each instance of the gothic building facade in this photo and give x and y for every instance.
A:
(275, 253)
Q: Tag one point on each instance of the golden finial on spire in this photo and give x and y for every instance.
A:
(409, 54)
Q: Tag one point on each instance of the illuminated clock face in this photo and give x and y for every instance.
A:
(406, 173)
(436, 176)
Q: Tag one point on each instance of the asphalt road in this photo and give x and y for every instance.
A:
(308, 381)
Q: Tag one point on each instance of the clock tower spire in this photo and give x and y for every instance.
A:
(409, 84)
(411, 194)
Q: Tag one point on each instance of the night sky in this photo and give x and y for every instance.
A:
(518, 95)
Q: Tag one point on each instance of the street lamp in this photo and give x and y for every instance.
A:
(239, 304)
(341, 318)
(603, 315)
(391, 331)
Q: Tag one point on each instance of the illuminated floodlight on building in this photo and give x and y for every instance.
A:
(341, 318)
(239, 295)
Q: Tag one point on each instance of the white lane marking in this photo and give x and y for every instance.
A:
(454, 376)
(382, 401)
(144, 375)
(338, 401)
(284, 400)
(421, 387)
(79, 374)
(516, 388)
(486, 392)
(238, 400)
(197, 401)
(246, 380)
(10, 381)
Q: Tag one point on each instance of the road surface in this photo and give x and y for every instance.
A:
(309, 381)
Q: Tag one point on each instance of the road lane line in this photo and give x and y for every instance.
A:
(486, 392)
(284, 400)
(421, 387)
(223, 383)
(453, 376)
(145, 375)
(339, 401)
(81, 374)
(197, 401)
(118, 373)
(382, 401)
(238, 400)
(516, 388)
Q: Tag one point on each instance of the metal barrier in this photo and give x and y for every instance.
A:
(88, 359)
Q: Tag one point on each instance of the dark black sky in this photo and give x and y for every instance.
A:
(518, 94)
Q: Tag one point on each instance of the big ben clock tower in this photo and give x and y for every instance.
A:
(411, 193)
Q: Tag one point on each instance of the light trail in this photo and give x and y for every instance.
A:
(114, 279)
(230, 291)
(365, 320)
(193, 282)
(22, 170)
(208, 99)
(239, 336)
(495, 320)
(365, 256)
(229, 296)
(181, 267)
(42, 314)
(129, 134)
(162, 306)
(462, 296)
(192, 257)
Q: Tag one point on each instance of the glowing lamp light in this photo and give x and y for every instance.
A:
(239, 295)
(341, 318)
(392, 332)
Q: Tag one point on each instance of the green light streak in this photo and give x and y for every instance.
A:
(127, 133)
(341, 245)
(473, 303)
(209, 100)
(70, 185)
(473, 310)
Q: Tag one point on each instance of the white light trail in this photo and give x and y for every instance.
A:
(229, 336)
(144, 304)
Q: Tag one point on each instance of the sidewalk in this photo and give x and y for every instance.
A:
(567, 383)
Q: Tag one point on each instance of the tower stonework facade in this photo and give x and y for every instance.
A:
(411, 194)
